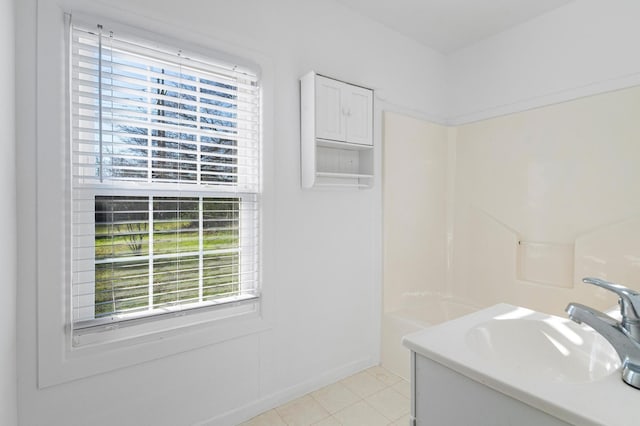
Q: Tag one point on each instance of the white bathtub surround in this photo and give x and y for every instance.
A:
(546, 263)
(426, 312)
(613, 246)
(414, 170)
(417, 163)
(536, 200)
(557, 204)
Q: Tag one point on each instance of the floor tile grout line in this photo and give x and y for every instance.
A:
(377, 410)
(389, 381)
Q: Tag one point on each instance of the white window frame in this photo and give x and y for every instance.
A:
(87, 183)
(103, 331)
(58, 360)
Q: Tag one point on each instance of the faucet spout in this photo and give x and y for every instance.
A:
(625, 345)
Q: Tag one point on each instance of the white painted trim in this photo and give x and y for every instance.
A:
(595, 88)
(57, 362)
(8, 216)
(384, 104)
(276, 399)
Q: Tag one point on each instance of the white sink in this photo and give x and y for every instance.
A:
(512, 365)
(555, 348)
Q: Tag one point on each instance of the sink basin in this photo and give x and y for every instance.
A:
(516, 366)
(553, 348)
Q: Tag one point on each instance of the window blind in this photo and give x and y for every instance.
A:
(165, 179)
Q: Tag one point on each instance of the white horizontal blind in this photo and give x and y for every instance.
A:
(165, 172)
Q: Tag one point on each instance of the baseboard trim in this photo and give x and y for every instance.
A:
(268, 402)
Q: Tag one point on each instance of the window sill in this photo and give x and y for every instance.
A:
(119, 334)
(136, 347)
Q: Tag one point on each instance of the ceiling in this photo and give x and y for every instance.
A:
(448, 25)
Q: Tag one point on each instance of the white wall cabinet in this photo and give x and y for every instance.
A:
(336, 133)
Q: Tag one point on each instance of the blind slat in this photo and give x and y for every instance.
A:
(84, 37)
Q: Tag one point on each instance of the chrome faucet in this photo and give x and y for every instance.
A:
(624, 335)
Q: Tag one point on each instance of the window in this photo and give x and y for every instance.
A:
(165, 182)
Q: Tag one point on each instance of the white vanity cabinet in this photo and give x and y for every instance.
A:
(508, 365)
(442, 396)
(336, 133)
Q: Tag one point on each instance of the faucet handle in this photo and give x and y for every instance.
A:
(629, 299)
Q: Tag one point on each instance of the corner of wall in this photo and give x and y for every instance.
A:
(8, 259)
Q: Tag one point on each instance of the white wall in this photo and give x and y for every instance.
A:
(323, 248)
(585, 47)
(8, 383)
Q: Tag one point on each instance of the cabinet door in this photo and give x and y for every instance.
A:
(358, 108)
(330, 115)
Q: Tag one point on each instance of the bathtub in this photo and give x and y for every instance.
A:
(429, 311)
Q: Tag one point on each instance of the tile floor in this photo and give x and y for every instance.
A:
(372, 397)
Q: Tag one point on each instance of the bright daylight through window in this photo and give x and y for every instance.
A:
(165, 181)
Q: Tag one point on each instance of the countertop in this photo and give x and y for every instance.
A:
(607, 401)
